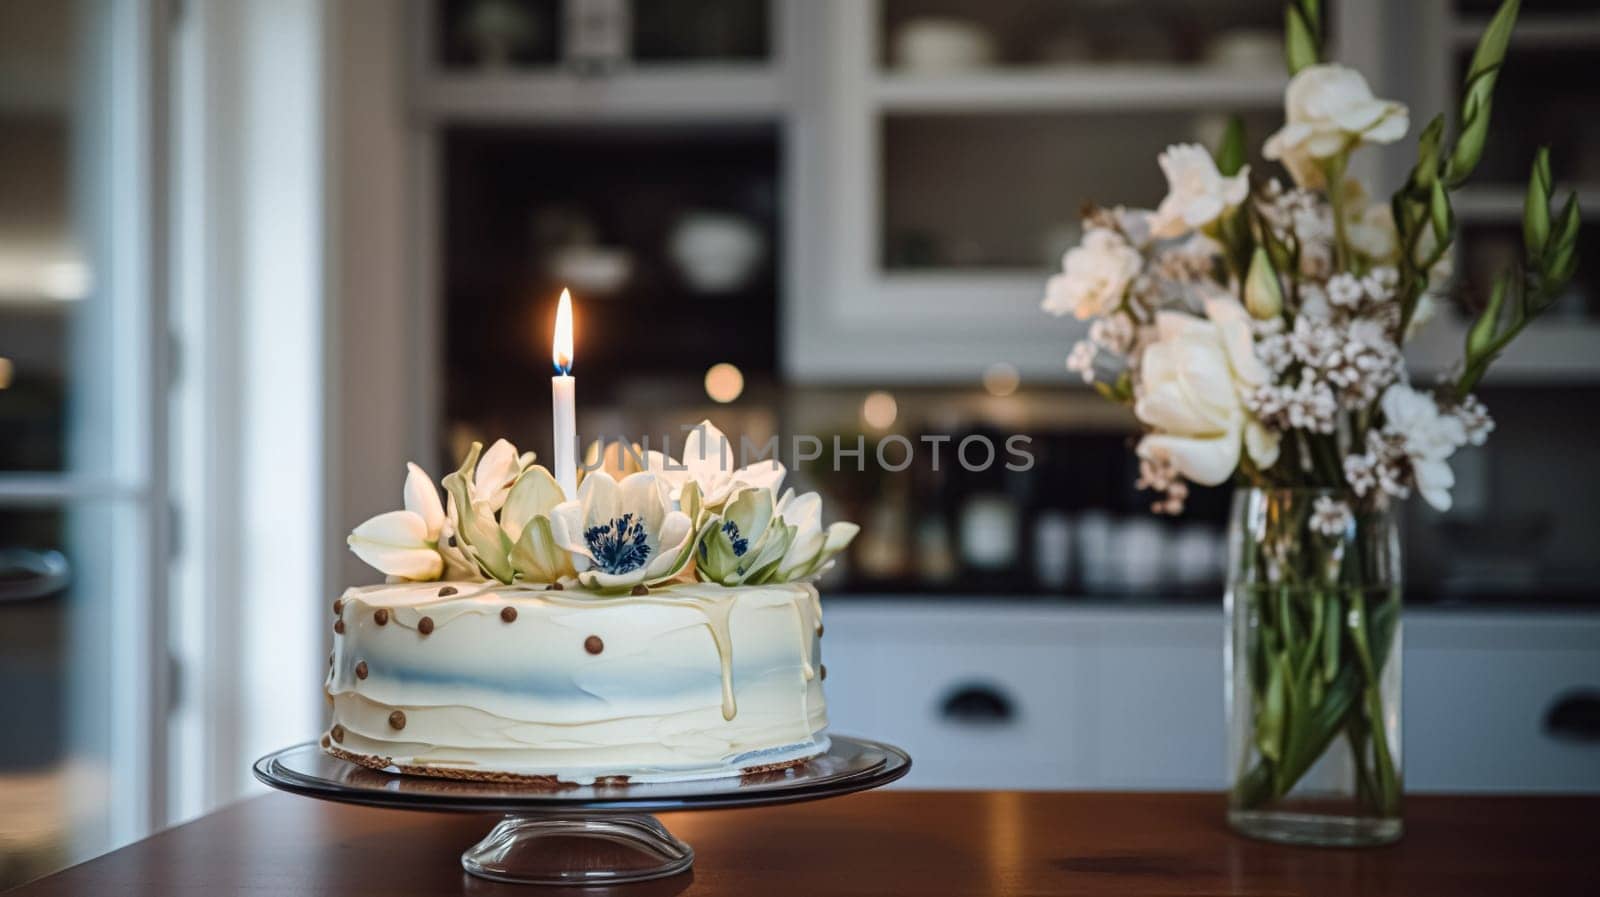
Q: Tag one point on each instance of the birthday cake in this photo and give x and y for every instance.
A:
(658, 625)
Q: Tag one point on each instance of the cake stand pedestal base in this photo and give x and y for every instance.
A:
(577, 849)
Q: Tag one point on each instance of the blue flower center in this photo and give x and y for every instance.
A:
(618, 546)
(739, 542)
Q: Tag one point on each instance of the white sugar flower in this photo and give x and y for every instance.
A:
(1330, 517)
(1330, 109)
(1094, 276)
(535, 554)
(1194, 378)
(496, 472)
(624, 534)
(812, 549)
(403, 544)
(1197, 193)
(709, 461)
(746, 542)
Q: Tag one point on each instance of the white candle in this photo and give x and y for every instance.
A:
(563, 393)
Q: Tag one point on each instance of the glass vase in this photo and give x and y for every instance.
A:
(1313, 668)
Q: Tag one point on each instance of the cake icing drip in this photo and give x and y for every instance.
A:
(579, 682)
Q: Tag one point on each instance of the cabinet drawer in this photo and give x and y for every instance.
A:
(1015, 697)
(1479, 696)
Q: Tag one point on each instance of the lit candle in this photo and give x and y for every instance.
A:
(563, 391)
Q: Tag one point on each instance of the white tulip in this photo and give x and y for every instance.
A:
(1094, 276)
(709, 461)
(623, 534)
(1194, 378)
(1197, 193)
(397, 543)
(1330, 109)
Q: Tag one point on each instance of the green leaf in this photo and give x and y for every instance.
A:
(1439, 211)
(1491, 51)
(1480, 339)
(1560, 259)
(1300, 43)
(1312, 10)
(1536, 207)
(1330, 637)
(1231, 152)
(1272, 715)
(1469, 146)
(1427, 169)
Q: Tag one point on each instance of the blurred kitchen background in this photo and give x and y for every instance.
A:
(256, 255)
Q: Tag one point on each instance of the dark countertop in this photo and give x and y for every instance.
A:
(884, 844)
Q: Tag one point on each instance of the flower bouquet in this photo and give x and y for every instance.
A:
(1256, 328)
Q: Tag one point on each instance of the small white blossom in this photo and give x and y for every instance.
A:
(1197, 194)
(1309, 406)
(1112, 334)
(1094, 276)
(1159, 473)
(1080, 360)
(1345, 291)
(1475, 420)
(1330, 517)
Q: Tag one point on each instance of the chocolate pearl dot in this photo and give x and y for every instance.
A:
(425, 625)
(508, 614)
(640, 589)
(338, 606)
(338, 626)
(325, 741)
(452, 540)
(447, 591)
(819, 630)
(397, 720)
(554, 587)
(824, 672)
(338, 733)
(593, 645)
(361, 670)
(381, 616)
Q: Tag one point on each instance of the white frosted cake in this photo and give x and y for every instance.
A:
(658, 627)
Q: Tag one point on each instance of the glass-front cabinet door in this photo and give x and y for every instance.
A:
(79, 511)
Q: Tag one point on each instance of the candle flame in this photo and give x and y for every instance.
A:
(561, 349)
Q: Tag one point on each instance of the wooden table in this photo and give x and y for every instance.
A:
(883, 844)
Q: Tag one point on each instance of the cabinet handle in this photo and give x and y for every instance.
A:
(1575, 716)
(26, 574)
(978, 704)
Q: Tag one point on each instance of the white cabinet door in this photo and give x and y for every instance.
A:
(990, 694)
(1479, 693)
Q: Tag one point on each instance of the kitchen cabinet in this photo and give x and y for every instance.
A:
(986, 693)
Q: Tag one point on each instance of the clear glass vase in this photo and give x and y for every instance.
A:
(1313, 668)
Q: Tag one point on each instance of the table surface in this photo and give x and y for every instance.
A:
(883, 844)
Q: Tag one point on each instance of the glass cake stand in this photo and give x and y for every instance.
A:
(582, 835)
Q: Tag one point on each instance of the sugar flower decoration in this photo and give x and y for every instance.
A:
(746, 542)
(403, 544)
(709, 460)
(811, 551)
(621, 535)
